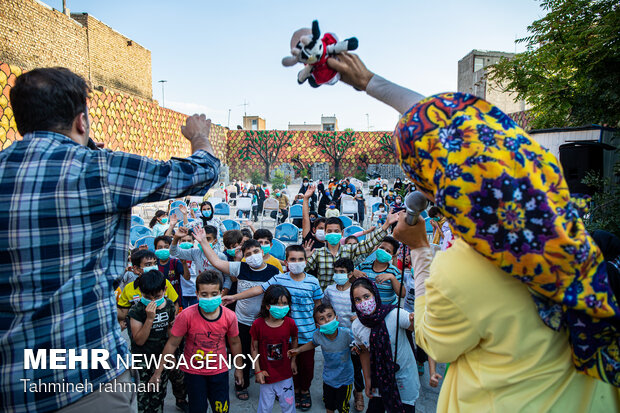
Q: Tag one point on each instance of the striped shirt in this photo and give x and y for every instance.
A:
(65, 214)
(303, 294)
(341, 301)
(322, 260)
(386, 291)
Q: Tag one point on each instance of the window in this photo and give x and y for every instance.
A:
(329, 127)
(254, 124)
(478, 63)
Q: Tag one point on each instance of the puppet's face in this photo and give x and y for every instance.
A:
(311, 55)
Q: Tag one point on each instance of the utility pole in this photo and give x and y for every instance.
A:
(368, 122)
(245, 107)
(163, 100)
(228, 125)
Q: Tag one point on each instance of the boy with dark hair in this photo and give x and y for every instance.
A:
(384, 273)
(206, 327)
(252, 272)
(232, 240)
(150, 321)
(172, 268)
(265, 239)
(335, 344)
(306, 294)
(322, 259)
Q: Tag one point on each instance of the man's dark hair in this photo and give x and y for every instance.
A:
(151, 282)
(345, 263)
(210, 229)
(164, 238)
(263, 233)
(48, 99)
(334, 221)
(251, 243)
(294, 248)
(138, 256)
(392, 241)
(209, 277)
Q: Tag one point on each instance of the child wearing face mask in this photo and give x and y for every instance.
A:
(332, 211)
(383, 272)
(251, 273)
(335, 344)
(306, 294)
(273, 333)
(171, 267)
(159, 223)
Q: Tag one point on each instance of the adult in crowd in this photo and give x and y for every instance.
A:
(283, 204)
(302, 190)
(520, 304)
(64, 231)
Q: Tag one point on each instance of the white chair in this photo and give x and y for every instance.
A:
(269, 206)
(348, 207)
(357, 183)
(371, 183)
(218, 193)
(215, 200)
(244, 205)
(346, 198)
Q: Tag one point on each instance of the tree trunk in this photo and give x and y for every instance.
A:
(267, 170)
(336, 166)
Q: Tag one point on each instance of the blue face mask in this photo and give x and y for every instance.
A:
(329, 328)
(163, 253)
(151, 268)
(279, 311)
(164, 220)
(209, 305)
(195, 209)
(206, 213)
(341, 278)
(333, 238)
(383, 256)
(266, 248)
(146, 301)
(231, 251)
(186, 245)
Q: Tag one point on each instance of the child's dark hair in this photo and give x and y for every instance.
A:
(209, 277)
(294, 248)
(433, 212)
(212, 210)
(364, 283)
(350, 237)
(138, 256)
(251, 243)
(322, 307)
(272, 297)
(246, 232)
(164, 238)
(345, 263)
(392, 241)
(151, 282)
(210, 229)
(158, 213)
(318, 221)
(263, 234)
(232, 237)
(334, 221)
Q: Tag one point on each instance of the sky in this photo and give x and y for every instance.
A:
(216, 55)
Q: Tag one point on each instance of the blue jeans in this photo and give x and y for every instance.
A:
(186, 301)
(212, 389)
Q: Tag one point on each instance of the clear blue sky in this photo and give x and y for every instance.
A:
(216, 54)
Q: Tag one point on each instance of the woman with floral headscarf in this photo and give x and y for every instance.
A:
(520, 304)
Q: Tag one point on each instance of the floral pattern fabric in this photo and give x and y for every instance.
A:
(505, 195)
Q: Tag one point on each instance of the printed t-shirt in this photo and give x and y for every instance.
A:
(273, 345)
(207, 338)
(338, 367)
(303, 294)
(341, 301)
(386, 292)
(131, 295)
(247, 309)
(158, 336)
(173, 271)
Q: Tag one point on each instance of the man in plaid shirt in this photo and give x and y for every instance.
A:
(65, 212)
(322, 259)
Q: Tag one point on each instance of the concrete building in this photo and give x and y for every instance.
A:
(472, 78)
(254, 123)
(328, 123)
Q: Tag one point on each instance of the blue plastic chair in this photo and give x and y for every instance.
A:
(176, 204)
(295, 212)
(138, 231)
(278, 249)
(375, 206)
(230, 224)
(176, 211)
(221, 209)
(287, 232)
(136, 220)
(346, 221)
(149, 240)
(424, 214)
(352, 230)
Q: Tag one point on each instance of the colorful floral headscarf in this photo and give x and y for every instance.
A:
(505, 195)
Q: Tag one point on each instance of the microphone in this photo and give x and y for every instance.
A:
(415, 203)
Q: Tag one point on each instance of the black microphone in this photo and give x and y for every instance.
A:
(415, 203)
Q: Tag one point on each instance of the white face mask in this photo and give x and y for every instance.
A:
(297, 267)
(320, 235)
(255, 260)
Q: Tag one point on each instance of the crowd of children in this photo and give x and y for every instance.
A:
(207, 291)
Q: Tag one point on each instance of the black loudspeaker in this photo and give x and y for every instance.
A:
(577, 159)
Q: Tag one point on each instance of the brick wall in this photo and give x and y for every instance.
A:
(34, 35)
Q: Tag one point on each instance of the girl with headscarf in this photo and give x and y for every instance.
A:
(391, 386)
(208, 218)
(520, 304)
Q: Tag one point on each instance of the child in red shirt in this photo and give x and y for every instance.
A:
(271, 333)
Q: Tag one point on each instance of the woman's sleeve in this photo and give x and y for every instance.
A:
(398, 97)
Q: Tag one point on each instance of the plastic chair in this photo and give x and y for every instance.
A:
(346, 221)
(149, 241)
(424, 214)
(295, 212)
(244, 205)
(138, 231)
(176, 204)
(348, 207)
(278, 249)
(178, 213)
(352, 230)
(269, 206)
(375, 206)
(287, 232)
(219, 193)
(136, 220)
(221, 209)
(230, 224)
(215, 200)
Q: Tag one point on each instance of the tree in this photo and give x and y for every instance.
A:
(266, 145)
(300, 166)
(570, 71)
(334, 145)
(385, 140)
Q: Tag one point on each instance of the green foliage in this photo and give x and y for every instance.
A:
(338, 175)
(385, 141)
(334, 145)
(278, 180)
(567, 72)
(265, 145)
(361, 175)
(256, 178)
(301, 167)
(605, 205)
